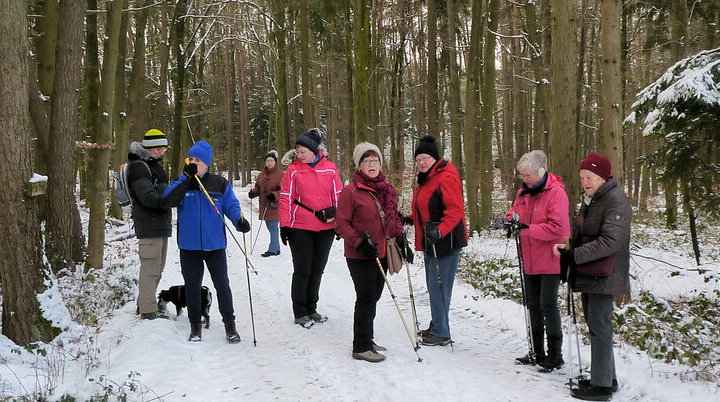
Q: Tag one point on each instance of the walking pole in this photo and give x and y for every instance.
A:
(414, 345)
(572, 306)
(258, 231)
(521, 265)
(247, 262)
(412, 296)
(251, 221)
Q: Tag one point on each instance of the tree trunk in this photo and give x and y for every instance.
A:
(541, 76)
(137, 106)
(563, 138)
(282, 121)
(45, 45)
(611, 88)
(99, 154)
(361, 29)
(229, 92)
(431, 83)
(65, 242)
(92, 89)
(242, 84)
(160, 120)
(178, 46)
(309, 118)
(120, 121)
(456, 116)
(21, 262)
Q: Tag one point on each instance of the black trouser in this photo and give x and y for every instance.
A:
(369, 284)
(541, 291)
(191, 263)
(310, 252)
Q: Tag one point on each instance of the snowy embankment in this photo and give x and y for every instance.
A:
(293, 363)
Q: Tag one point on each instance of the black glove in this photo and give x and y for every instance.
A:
(284, 234)
(190, 170)
(404, 220)
(406, 250)
(367, 248)
(251, 194)
(432, 233)
(326, 215)
(521, 225)
(567, 263)
(270, 197)
(243, 225)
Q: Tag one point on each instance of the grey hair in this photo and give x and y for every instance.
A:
(535, 160)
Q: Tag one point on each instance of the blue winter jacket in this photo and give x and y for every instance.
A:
(199, 226)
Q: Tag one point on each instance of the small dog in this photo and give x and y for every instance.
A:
(176, 296)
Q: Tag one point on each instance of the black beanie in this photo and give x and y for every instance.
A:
(310, 140)
(272, 154)
(428, 145)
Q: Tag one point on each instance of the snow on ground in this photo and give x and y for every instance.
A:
(293, 363)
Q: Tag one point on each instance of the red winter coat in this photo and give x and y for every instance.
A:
(316, 187)
(439, 199)
(268, 182)
(546, 212)
(357, 212)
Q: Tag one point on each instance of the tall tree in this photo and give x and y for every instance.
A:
(282, 121)
(488, 110)
(65, 241)
(99, 153)
(309, 120)
(431, 83)
(611, 88)
(454, 72)
(21, 262)
(563, 138)
(361, 71)
(178, 46)
(137, 91)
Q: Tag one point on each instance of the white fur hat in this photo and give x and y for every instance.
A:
(360, 150)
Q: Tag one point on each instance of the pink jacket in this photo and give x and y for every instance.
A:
(318, 188)
(547, 215)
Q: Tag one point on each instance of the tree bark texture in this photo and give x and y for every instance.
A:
(611, 88)
(361, 29)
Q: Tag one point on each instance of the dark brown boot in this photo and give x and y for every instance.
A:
(230, 333)
(195, 332)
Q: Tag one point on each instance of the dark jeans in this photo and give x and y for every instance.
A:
(369, 284)
(541, 291)
(191, 263)
(597, 310)
(310, 252)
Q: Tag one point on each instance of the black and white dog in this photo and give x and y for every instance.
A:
(176, 296)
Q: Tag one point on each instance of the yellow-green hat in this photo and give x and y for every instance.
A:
(154, 138)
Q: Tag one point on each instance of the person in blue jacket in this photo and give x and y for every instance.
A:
(201, 235)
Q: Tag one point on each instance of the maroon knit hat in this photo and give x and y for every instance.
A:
(598, 164)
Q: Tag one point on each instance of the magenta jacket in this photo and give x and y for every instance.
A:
(546, 212)
(317, 187)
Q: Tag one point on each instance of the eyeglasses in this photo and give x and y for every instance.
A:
(302, 151)
(369, 161)
(423, 159)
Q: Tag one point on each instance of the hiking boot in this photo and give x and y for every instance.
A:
(592, 393)
(304, 321)
(434, 340)
(318, 318)
(377, 347)
(195, 332)
(554, 359)
(369, 356)
(528, 360)
(584, 382)
(269, 254)
(153, 315)
(538, 340)
(230, 333)
(424, 332)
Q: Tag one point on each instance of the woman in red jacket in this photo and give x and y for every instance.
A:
(308, 197)
(267, 187)
(438, 213)
(542, 205)
(367, 205)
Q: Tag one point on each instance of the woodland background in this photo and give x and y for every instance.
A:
(492, 79)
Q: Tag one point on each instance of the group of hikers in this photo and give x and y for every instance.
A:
(307, 206)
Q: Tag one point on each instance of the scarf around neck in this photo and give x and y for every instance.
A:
(386, 195)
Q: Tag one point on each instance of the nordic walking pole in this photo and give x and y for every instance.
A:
(247, 268)
(412, 296)
(252, 248)
(521, 265)
(251, 221)
(415, 346)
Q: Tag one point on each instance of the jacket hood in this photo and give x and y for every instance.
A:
(137, 151)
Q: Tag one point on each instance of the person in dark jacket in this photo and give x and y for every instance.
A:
(599, 262)
(201, 235)
(438, 213)
(267, 188)
(367, 205)
(542, 205)
(147, 182)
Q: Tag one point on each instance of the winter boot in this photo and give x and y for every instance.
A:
(584, 382)
(554, 358)
(304, 321)
(230, 333)
(317, 317)
(369, 356)
(195, 332)
(591, 392)
(538, 340)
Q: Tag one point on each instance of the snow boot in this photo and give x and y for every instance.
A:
(584, 382)
(554, 359)
(538, 340)
(304, 321)
(317, 317)
(591, 392)
(195, 332)
(230, 333)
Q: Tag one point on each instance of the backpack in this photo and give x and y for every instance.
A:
(122, 187)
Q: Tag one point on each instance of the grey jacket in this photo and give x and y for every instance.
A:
(605, 231)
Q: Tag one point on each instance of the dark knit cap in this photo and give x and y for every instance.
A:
(598, 164)
(310, 140)
(428, 145)
(272, 154)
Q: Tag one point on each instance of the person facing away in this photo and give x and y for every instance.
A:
(599, 263)
(267, 189)
(542, 206)
(201, 235)
(438, 214)
(367, 215)
(308, 199)
(147, 181)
